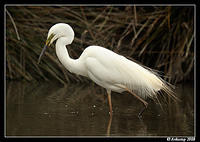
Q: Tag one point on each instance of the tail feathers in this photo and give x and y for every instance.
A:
(158, 84)
(170, 93)
(143, 81)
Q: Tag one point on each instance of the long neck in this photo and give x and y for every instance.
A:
(74, 66)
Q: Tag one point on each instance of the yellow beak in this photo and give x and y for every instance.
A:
(48, 42)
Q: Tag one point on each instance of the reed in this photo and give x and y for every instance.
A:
(159, 37)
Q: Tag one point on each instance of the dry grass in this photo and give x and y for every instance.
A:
(160, 37)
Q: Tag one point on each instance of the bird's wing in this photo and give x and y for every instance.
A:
(100, 72)
(102, 64)
(111, 68)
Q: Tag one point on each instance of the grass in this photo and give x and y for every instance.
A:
(159, 37)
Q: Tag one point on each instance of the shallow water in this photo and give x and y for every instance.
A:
(49, 109)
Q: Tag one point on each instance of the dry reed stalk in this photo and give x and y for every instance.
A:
(155, 36)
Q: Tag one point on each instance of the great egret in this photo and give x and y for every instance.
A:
(106, 68)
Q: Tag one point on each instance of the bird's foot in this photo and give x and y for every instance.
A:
(139, 116)
(141, 112)
(110, 113)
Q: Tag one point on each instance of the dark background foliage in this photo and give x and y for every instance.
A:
(160, 37)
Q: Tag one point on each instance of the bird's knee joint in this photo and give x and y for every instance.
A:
(146, 104)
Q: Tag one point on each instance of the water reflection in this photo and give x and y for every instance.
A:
(48, 109)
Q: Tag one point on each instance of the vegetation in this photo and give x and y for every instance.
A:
(160, 37)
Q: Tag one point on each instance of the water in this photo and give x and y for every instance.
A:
(49, 109)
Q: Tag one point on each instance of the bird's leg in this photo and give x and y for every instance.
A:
(109, 126)
(124, 87)
(109, 101)
(143, 101)
(141, 112)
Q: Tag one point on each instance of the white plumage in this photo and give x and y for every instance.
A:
(106, 68)
(110, 70)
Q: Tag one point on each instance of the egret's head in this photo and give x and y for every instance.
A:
(57, 31)
(60, 30)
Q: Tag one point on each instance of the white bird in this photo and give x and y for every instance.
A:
(106, 68)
